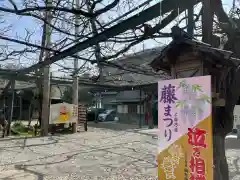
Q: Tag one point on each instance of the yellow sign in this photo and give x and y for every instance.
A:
(63, 114)
(62, 117)
(190, 157)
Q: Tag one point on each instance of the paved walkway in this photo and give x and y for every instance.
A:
(96, 154)
(100, 154)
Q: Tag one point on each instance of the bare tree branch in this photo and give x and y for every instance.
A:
(54, 8)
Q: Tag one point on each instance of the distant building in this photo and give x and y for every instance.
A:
(132, 70)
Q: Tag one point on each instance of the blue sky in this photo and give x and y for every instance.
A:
(19, 24)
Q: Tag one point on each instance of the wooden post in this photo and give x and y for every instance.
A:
(145, 107)
(75, 75)
(150, 110)
(20, 106)
(46, 78)
(11, 104)
(140, 110)
(96, 107)
(75, 101)
(46, 102)
(85, 124)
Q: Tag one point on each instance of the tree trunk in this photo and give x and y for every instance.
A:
(222, 125)
(223, 117)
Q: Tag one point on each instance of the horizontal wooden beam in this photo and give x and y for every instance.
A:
(62, 81)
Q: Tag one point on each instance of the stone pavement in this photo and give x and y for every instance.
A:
(233, 156)
(96, 154)
(99, 154)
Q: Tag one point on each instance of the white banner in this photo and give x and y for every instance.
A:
(63, 113)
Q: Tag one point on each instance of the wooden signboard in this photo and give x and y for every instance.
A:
(82, 117)
(62, 113)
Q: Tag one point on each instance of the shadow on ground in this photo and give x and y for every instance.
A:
(232, 146)
(113, 126)
(39, 176)
(22, 142)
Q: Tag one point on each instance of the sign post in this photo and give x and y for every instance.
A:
(185, 129)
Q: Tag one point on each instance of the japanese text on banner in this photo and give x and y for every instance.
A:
(168, 97)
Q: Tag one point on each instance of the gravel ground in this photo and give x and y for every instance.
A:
(99, 154)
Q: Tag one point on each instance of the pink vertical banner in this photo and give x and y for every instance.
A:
(185, 129)
(178, 100)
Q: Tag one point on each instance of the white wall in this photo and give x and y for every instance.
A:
(119, 108)
(123, 109)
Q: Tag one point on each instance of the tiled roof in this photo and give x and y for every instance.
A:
(181, 40)
(139, 64)
(18, 85)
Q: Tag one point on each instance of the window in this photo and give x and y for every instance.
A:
(132, 108)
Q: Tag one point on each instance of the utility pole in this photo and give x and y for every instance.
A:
(75, 75)
(46, 77)
(97, 50)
